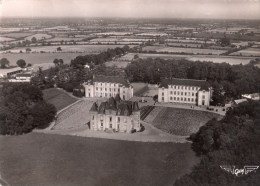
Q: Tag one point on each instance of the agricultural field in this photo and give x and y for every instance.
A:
(179, 121)
(233, 60)
(74, 117)
(114, 33)
(153, 48)
(39, 36)
(188, 40)
(64, 39)
(190, 50)
(4, 39)
(67, 48)
(58, 98)
(247, 52)
(192, 45)
(40, 58)
(49, 159)
(17, 35)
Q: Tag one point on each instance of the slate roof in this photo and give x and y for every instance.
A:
(122, 108)
(111, 79)
(23, 75)
(185, 82)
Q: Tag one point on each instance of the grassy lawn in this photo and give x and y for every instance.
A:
(139, 88)
(181, 121)
(58, 98)
(47, 159)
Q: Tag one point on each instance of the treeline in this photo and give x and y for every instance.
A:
(100, 58)
(228, 81)
(234, 140)
(23, 109)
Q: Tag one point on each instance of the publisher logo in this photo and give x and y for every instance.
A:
(239, 172)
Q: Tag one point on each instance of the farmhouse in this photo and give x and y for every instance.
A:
(115, 115)
(190, 91)
(7, 72)
(108, 86)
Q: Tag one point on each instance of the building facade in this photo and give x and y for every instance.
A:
(115, 115)
(189, 91)
(108, 86)
(8, 72)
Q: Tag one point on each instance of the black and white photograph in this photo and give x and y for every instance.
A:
(129, 92)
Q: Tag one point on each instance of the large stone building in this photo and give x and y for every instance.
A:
(189, 91)
(108, 86)
(115, 115)
(10, 71)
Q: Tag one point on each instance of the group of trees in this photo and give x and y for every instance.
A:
(228, 81)
(4, 63)
(100, 58)
(23, 109)
(234, 140)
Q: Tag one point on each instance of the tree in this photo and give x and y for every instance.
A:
(56, 62)
(59, 49)
(21, 63)
(34, 40)
(23, 109)
(43, 113)
(4, 62)
(28, 50)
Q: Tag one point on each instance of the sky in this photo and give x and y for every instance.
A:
(216, 9)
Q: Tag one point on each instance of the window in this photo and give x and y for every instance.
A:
(203, 96)
(181, 99)
(181, 87)
(178, 93)
(189, 99)
(192, 99)
(170, 98)
(162, 94)
(188, 88)
(184, 99)
(101, 89)
(110, 125)
(96, 88)
(181, 93)
(175, 86)
(192, 94)
(110, 119)
(185, 93)
(105, 94)
(105, 89)
(174, 92)
(192, 88)
(174, 98)
(118, 119)
(178, 98)
(171, 92)
(109, 89)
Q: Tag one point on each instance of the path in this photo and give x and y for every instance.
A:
(150, 134)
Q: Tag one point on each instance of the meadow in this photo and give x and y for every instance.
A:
(4, 39)
(17, 35)
(67, 48)
(190, 50)
(39, 58)
(179, 121)
(58, 98)
(38, 36)
(233, 60)
(48, 159)
(248, 52)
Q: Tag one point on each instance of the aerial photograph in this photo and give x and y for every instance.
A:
(129, 92)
